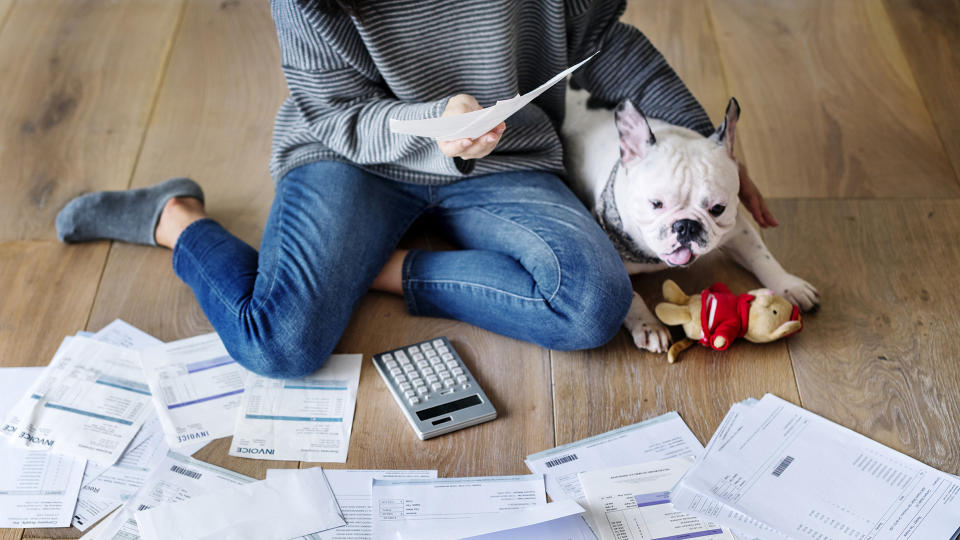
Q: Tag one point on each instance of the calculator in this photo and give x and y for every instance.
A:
(433, 387)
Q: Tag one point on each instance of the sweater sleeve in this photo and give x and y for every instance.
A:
(345, 103)
(630, 67)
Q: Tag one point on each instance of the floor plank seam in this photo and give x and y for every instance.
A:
(96, 291)
(923, 97)
(158, 87)
(553, 396)
(3, 22)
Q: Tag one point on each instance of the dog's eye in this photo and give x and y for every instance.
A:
(774, 312)
(656, 205)
(717, 209)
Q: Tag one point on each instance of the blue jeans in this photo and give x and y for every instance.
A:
(534, 265)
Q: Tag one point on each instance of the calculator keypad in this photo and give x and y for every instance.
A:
(419, 371)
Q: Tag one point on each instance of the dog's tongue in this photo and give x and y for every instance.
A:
(679, 257)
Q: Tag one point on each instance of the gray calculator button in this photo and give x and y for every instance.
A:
(417, 381)
(410, 393)
(432, 378)
(417, 356)
(465, 386)
(436, 386)
(414, 400)
(436, 361)
(430, 353)
(425, 345)
(452, 364)
(438, 343)
(422, 364)
(390, 363)
(413, 349)
(444, 374)
(400, 378)
(443, 350)
(427, 371)
(422, 390)
(387, 357)
(405, 386)
(409, 368)
(461, 379)
(396, 371)
(446, 356)
(457, 371)
(448, 383)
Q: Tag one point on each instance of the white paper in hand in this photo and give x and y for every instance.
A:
(474, 124)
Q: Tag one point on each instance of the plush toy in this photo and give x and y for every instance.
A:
(716, 317)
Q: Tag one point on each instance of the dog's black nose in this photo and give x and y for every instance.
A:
(687, 230)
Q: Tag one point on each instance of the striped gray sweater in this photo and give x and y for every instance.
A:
(403, 59)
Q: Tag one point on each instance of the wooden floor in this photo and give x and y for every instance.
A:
(850, 127)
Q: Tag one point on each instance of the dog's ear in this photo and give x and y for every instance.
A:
(726, 134)
(636, 138)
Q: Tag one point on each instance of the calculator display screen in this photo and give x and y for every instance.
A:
(463, 403)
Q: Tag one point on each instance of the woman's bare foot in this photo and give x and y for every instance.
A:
(177, 214)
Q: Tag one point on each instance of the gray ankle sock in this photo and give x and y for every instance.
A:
(129, 216)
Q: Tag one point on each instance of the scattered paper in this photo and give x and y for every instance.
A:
(89, 402)
(177, 478)
(663, 437)
(37, 488)
(279, 508)
(474, 124)
(307, 419)
(793, 474)
(352, 490)
(124, 334)
(633, 503)
(196, 388)
(450, 507)
(554, 521)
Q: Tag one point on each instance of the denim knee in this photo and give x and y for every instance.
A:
(596, 315)
(282, 351)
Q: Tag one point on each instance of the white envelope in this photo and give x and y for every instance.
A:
(281, 507)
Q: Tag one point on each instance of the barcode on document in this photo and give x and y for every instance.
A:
(783, 465)
(143, 507)
(186, 472)
(560, 460)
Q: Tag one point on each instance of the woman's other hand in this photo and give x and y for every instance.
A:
(469, 148)
(753, 200)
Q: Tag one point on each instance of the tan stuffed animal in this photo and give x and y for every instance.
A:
(716, 317)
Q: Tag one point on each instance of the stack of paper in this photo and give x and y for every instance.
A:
(774, 470)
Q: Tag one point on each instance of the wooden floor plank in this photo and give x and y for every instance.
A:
(830, 105)
(11, 534)
(213, 122)
(78, 80)
(47, 290)
(514, 375)
(881, 355)
(617, 385)
(929, 32)
(683, 33)
(5, 6)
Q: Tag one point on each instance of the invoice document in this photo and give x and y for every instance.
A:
(352, 490)
(196, 388)
(306, 419)
(177, 478)
(89, 402)
(663, 437)
(124, 334)
(804, 476)
(37, 488)
(633, 503)
(278, 508)
(450, 507)
(474, 124)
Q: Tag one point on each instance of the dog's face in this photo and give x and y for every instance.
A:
(679, 190)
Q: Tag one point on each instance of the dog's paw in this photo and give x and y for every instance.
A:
(649, 335)
(798, 292)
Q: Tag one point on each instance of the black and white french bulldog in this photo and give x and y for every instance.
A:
(666, 195)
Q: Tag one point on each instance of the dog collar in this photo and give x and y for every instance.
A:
(609, 218)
